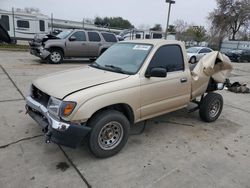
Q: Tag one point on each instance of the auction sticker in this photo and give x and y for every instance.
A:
(141, 47)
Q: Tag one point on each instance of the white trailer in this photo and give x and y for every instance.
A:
(23, 26)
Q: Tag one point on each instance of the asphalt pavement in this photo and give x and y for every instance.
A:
(175, 150)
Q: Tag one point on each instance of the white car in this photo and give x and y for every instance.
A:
(196, 53)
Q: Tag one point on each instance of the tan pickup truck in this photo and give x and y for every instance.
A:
(131, 82)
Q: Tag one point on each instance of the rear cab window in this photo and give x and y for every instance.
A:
(169, 57)
(94, 36)
(109, 37)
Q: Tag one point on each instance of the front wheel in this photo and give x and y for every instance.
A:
(56, 56)
(109, 134)
(211, 107)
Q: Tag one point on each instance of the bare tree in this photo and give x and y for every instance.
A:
(230, 16)
(180, 27)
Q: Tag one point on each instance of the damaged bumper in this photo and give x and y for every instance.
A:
(57, 131)
(40, 52)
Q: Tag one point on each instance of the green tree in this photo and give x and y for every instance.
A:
(114, 22)
(230, 16)
(157, 27)
(171, 29)
(195, 33)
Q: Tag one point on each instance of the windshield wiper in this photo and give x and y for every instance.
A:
(94, 64)
(118, 69)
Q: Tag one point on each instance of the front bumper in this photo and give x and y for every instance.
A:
(39, 52)
(57, 131)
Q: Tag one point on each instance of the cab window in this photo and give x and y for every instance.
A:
(94, 37)
(108, 37)
(169, 57)
(79, 35)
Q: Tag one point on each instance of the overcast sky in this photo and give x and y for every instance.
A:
(138, 12)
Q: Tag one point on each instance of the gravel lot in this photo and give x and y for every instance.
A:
(176, 150)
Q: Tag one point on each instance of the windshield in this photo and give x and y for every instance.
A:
(192, 50)
(64, 34)
(124, 58)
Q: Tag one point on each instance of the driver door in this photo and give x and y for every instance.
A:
(76, 45)
(161, 95)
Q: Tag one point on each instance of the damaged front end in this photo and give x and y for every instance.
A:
(38, 43)
(55, 129)
(210, 73)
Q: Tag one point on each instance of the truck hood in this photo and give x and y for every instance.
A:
(67, 82)
(213, 65)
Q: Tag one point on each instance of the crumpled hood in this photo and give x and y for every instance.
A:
(215, 65)
(63, 83)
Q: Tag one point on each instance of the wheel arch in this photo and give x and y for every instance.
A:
(57, 48)
(121, 107)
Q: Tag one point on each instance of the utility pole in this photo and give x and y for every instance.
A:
(13, 19)
(52, 23)
(169, 9)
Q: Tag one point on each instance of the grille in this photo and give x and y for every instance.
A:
(39, 96)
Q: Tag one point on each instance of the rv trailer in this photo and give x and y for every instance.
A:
(23, 26)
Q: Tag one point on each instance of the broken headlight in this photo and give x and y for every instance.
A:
(60, 108)
(54, 106)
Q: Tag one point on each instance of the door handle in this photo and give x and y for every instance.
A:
(183, 80)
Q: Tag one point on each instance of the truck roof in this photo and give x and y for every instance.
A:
(154, 42)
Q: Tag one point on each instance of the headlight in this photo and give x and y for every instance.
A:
(54, 106)
(60, 108)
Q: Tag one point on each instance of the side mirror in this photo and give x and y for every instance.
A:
(72, 38)
(156, 72)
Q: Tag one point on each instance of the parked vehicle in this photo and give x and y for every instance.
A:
(196, 53)
(23, 26)
(239, 55)
(131, 82)
(72, 43)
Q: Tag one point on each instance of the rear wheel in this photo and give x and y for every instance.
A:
(211, 107)
(56, 56)
(110, 131)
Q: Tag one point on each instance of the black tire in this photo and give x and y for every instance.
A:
(56, 56)
(109, 134)
(211, 107)
(192, 60)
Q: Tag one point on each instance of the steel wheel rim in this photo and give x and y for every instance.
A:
(214, 109)
(110, 135)
(55, 57)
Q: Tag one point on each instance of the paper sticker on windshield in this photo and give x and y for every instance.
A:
(141, 47)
